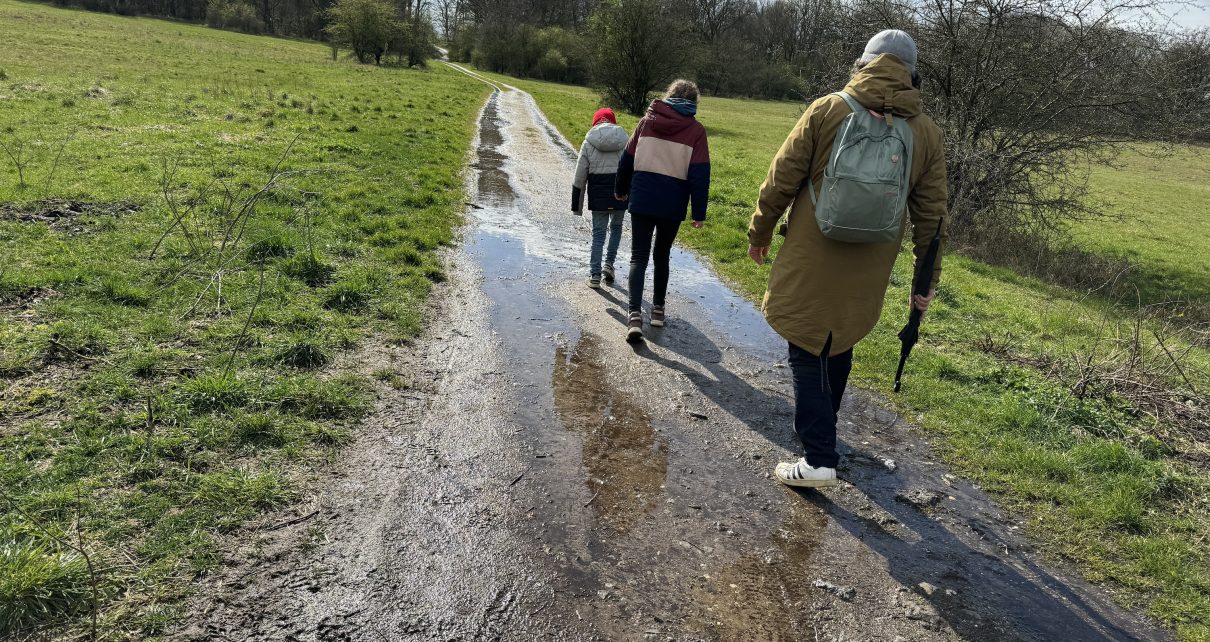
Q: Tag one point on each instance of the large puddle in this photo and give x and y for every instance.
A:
(540, 184)
(625, 460)
(493, 180)
(611, 505)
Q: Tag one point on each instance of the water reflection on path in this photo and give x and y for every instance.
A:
(626, 460)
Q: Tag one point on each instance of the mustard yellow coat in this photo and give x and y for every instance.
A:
(819, 286)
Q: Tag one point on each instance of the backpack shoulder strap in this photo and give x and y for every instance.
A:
(857, 109)
(852, 102)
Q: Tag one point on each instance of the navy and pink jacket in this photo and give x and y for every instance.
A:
(666, 163)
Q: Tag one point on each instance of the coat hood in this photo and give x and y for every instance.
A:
(886, 85)
(667, 122)
(607, 137)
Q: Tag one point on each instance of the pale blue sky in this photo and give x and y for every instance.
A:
(1194, 16)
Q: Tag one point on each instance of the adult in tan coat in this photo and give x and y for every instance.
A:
(825, 295)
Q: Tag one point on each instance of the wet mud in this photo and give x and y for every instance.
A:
(546, 480)
(24, 299)
(492, 181)
(625, 461)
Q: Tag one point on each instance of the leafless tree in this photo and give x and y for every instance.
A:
(448, 15)
(712, 19)
(1030, 93)
(641, 46)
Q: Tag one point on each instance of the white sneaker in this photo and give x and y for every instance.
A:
(800, 474)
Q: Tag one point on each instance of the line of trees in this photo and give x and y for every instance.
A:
(373, 30)
(297, 18)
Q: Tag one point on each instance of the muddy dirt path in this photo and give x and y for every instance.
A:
(543, 479)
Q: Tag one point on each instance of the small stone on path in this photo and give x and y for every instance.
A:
(919, 497)
(845, 593)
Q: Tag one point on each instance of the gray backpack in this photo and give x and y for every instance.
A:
(865, 184)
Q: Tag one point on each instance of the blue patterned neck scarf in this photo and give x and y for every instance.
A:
(683, 106)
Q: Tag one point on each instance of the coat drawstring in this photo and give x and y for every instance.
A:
(824, 383)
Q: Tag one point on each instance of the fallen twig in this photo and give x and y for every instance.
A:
(60, 344)
(292, 522)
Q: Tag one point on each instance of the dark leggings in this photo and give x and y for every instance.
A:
(642, 228)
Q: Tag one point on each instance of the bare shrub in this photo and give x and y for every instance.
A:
(212, 221)
(1140, 361)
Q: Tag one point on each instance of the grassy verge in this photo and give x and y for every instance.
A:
(1016, 375)
(207, 222)
(1159, 196)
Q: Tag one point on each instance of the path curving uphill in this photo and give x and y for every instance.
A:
(543, 479)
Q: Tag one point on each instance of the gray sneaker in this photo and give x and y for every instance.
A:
(634, 329)
(594, 282)
(657, 316)
(608, 272)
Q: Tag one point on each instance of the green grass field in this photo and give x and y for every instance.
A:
(1161, 201)
(172, 316)
(1100, 483)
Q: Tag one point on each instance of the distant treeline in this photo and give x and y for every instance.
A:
(757, 48)
(297, 18)
(730, 47)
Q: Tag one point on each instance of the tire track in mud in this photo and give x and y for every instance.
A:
(542, 479)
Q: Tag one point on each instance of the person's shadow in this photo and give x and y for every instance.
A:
(607, 292)
(997, 596)
(981, 595)
(765, 412)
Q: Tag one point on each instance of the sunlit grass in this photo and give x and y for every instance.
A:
(1161, 198)
(155, 414)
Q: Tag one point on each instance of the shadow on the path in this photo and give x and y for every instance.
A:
(764, 412)
(993, 598)
(607, 293)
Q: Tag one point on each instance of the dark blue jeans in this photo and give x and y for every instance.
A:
(819, 383)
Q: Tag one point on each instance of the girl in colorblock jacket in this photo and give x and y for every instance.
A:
(666, 167)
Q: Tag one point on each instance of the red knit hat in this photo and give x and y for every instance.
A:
(603, 113)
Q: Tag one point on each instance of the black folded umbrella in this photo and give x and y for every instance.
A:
(910, 333)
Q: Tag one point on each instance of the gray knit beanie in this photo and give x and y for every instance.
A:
(895, 42)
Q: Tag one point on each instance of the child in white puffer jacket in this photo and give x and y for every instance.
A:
(595, 173)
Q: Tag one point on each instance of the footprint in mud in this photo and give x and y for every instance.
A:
(761, 596)
(627, 463)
